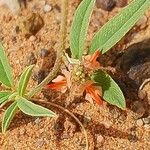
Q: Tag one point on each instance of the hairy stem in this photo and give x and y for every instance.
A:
(60, 52)
(69, 113)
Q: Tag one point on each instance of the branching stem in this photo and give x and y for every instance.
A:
(60, 52)
(52, 74)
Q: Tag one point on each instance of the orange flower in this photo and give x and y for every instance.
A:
(61, 83)
(92, 92)
(90, 61)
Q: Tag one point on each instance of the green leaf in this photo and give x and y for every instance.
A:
(6, 77)
(8, 116)
(79, 27)
(4, 95)
(111, 91)
(32, 109)
(24, 79)
(117, 27)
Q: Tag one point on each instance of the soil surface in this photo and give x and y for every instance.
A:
(108, 127)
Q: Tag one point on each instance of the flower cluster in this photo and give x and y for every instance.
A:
(78, 76)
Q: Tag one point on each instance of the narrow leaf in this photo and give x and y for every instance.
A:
(79, 27)
(4, 95)
(5, 69)
(117, 27)
(24, 79)
(111, 91)
(32, 109)
(8, 116)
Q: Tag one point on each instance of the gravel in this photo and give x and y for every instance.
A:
(139, 122)
(146, 120)
(138, 108)
(47, 8)
(132, 138)
(44, 53)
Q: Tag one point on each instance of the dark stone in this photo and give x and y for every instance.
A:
(17, 29)
(83, 145)
(57, 7)
(14, 39)
(39, 76)
(138, 108)
(132, 138)
(136, 62)
(146, 120)
(68, 51)
(133, 129)
(33, 24)
(58, 126)
(44, 53)
(107, 5)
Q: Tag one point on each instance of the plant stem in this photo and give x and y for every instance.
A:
(60, 51)
(69, 113)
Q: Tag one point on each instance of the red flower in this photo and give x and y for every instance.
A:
(90, 61)
(92, 92)
(61, 83)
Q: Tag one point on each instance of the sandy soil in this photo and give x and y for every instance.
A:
(108, 127)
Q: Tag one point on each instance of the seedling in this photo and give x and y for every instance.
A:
(81, 74)
(84, 74)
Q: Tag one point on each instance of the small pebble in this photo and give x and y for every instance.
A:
(14, 39)
(86, 120)
(138, 108)
(32, 38)
(83, 145)
(132, 138)
(39, 142)
(44, 53)
(121, 3)
(47, 8)
(139, 122)
(146, 120)
(58, 126)
(37, 121)
(133, 129)
(115, 113)
(17, 30)
(107, 5)
(107, 124)
(31, 25)
(57, 7)
(100, 138)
